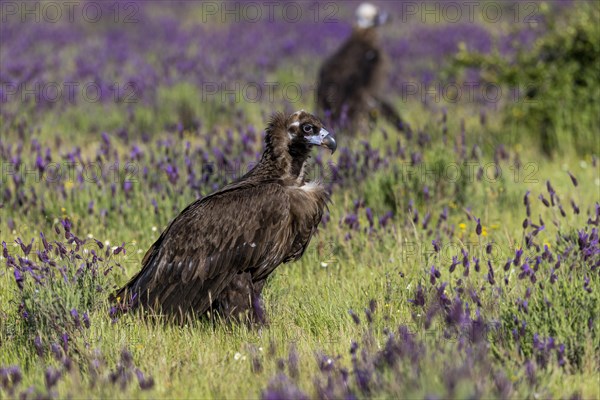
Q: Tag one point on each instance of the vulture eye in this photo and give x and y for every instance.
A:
(308, 128)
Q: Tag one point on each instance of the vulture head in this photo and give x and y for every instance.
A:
(369, 16)
(290, 139)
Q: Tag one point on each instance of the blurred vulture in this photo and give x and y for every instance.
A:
(216, 255)
(350, 81)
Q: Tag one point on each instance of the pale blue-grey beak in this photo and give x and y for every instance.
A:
(324, 139)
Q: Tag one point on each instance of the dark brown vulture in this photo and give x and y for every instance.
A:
(350, 81)
(217, 254)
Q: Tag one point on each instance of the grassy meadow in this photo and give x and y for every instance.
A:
(460, 260)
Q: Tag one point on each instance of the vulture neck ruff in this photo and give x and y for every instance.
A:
(282, 158)
(369, 35)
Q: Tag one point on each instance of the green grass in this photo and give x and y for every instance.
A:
(308, 301)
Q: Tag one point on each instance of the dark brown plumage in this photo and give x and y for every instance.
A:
(219, 251)
(350, 82)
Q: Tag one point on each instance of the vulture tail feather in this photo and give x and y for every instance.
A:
(391, 115)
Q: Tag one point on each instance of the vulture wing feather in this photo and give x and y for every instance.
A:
(237, 229)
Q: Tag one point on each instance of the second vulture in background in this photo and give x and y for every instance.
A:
(350, 81)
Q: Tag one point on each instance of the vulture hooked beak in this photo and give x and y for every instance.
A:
(324, 139)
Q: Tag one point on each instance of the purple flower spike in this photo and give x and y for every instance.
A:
(52, 375)
(369, 213)
(86, 320)
(75, 316)
(419, 299)
(18, 278)
(573, 179)
(434, 274)
(575, 207)
(146, 383)
(455, 262)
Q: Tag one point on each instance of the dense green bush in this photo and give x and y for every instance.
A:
(556, 81)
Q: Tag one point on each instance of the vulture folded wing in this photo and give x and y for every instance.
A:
(307, 205)
(234, 230)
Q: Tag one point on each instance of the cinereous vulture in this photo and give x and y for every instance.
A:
(350, 81)
(216, 255)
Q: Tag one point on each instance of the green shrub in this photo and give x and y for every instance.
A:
(558, 80)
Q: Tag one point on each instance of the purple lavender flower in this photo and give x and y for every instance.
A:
(455, 262)
(433, 274)
(86, 320)
(517, 259)
(530, 372)
(10, 378)
(75, 316)
(426, 220)
(354, 317)
(419, 299)
(280, 388)
(352, 221)
(146, 383)
(476, 261)
(369, 214)
(18, 278)
(560, 351)
(573, 179)
(575, 207)
(51, 375)
(383, 221)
